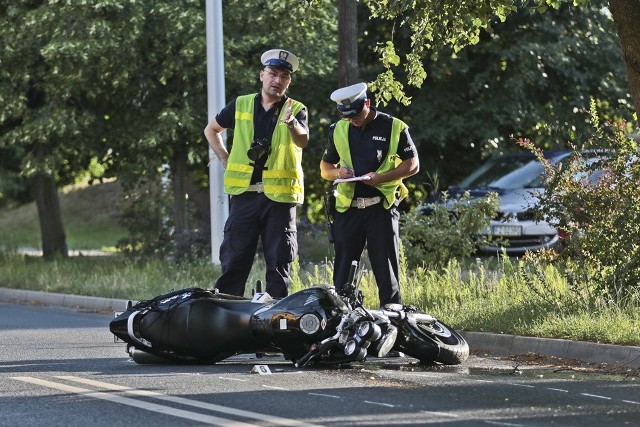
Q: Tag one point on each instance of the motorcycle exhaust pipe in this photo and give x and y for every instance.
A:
(144, 358)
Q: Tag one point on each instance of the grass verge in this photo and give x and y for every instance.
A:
(474, 298)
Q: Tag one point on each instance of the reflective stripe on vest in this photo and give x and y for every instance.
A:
(345, 190)
(283, 176)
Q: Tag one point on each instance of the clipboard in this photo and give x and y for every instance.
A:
(352, 179)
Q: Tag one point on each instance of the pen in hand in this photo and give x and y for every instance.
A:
(349, 170)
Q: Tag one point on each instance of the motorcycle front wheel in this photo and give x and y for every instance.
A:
(433, 343)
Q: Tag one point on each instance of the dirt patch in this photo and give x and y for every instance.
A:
(558, 365)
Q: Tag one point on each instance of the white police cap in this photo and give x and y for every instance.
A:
(350, 99)
(280, 58)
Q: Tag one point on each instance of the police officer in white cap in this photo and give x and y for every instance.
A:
(263, 174)
(377, 149)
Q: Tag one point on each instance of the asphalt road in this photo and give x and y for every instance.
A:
(60, 366)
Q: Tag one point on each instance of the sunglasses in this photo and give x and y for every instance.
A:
(352, 116)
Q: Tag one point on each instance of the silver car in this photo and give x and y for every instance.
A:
(518, 181)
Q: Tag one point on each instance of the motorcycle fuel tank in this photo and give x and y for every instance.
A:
(304, 317)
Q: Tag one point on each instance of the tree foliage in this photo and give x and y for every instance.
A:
(532, 75)
(58, 59)
(435, 26)
(119, 87)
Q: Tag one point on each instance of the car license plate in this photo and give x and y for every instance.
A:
(506, 230)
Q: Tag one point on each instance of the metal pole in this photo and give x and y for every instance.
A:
(216, 101)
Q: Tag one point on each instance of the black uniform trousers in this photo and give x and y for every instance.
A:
(253, 215)
(378, 228)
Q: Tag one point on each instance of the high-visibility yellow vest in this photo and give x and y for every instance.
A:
(283, 177)
(345, 190)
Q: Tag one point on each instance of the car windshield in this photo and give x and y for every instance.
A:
(514, 172)
(506, 173)
(527, 176)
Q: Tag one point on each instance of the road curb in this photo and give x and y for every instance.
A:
(495, 344)
(64, 300)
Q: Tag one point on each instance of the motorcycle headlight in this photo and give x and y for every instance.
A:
(354, 351)
(350, 347)
(369, 331)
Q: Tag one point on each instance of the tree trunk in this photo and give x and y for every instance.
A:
(626, 15)
(347, 42)
(180, 190)
(181, 239)
(54, 241)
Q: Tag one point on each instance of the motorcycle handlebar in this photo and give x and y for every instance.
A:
(304, 360)
(352, 273)
(415, 317)
(421, 317)
(313, 353)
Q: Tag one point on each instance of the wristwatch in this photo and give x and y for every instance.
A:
(292, 123)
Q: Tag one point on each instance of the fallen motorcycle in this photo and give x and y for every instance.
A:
(316, 326)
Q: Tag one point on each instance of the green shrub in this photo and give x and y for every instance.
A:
(453, 229)
(597, 205)
(145, 214)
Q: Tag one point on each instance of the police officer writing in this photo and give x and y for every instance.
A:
(263, 174)
(377, 150)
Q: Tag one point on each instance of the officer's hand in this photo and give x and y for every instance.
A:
(345, 173)
(374, 179)
(287, 112)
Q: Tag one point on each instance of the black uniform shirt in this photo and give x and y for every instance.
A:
(264, 123)
(369, 148)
